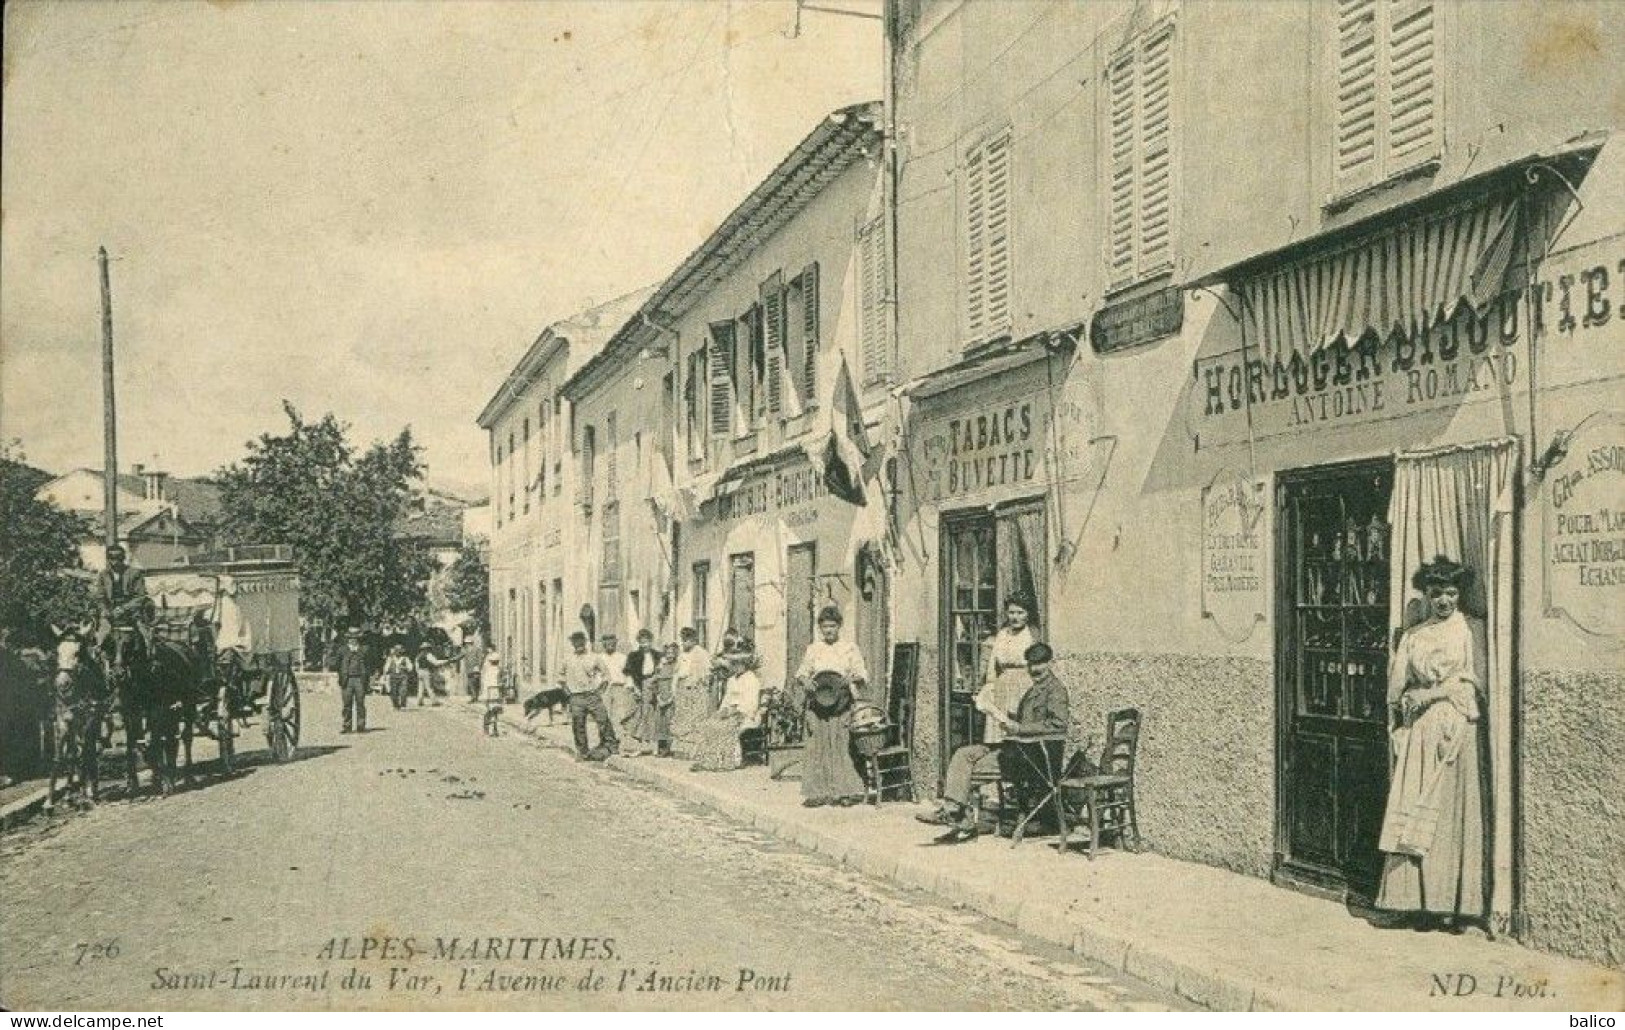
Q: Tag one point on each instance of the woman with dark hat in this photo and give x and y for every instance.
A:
(831, 674)
(1433, 826)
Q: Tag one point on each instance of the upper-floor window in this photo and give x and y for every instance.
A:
(1385, 96)
(544, 448)
(694, 394)
(558, 445)
(802, 328)
(589, 456)
(525, 469)
(985, 216)
(611, 449)
(874, 325)
(1139, 151)
(496, 479)
(511, 477)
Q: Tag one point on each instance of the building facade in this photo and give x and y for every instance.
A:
(1201, 370)
(535, 522)
(163, 519)
(719, 397)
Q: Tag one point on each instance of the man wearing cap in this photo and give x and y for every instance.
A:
(121, 594)
(584, 674)
(1041, 716)
(353, 668)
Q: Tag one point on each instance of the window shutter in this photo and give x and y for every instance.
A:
(1412, 102)
(1156, 140)
(975, 246)
(1355, 159)
(772, 292)
(1121, 145)
(720, 364)
(611, 451)
(871, 257)
(996, 296)
(809, 333)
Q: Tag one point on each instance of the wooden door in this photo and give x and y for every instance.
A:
(969, 617)
(800, 596)
(1333, 625)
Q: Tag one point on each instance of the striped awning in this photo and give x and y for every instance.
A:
(1405, 278)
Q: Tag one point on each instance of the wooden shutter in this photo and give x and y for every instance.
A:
(772, 293)
(996, 197)
(809, 333)
(975, 246)
(1120, 201)
(1355, 99)
(720, 362)
(872, 279)
(1411, 132)
(611, 450)
(1155, 173)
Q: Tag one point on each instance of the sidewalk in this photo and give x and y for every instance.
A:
(1221, 939)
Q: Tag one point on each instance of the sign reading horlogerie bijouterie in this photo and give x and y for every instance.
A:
(1472, 357)
(1584, 541)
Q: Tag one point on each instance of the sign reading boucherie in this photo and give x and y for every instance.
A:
(1585, 527)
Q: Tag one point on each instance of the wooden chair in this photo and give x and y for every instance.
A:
(891, 768)
(1104, 801)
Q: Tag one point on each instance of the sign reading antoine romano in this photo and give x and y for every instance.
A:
(1585, 527)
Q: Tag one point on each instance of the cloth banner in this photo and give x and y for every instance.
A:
(1458, 502)
(1405, 278)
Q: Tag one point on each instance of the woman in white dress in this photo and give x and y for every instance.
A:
(1433, 826)
(831, 675)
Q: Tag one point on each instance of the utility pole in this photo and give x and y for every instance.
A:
(109, 417)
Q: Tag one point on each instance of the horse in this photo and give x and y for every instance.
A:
(78, 704)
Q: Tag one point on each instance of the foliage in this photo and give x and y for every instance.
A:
(338, 508)
(39, 549)
(468, 584)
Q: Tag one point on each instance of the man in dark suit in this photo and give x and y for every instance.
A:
(353, 669)
(121, 596)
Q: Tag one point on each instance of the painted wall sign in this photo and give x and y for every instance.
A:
(1234, 573)
(762, 495)
(1584, 540)
(992, 444)
(1576, 302)
(1128, 323)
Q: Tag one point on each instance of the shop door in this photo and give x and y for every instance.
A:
(1332, 754)
(742, 595)
(970, 606)
(800, 589)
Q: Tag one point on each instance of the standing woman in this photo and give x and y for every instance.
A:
(1433, 827)
(1005, 679)
(831, 674)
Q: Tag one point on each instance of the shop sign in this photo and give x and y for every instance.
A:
(1233, 554)
(998, 446)
(1584, 541)
(1577, 304)
(767, 494)
(1128, 323)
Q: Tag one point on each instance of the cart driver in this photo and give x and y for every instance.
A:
(126, 610)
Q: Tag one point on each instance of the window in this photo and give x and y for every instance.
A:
(496, 477)
(694, 392)
(1139, 126)
(701, 595)
(742, 595)
(543, 609)
(558, 446)
(589, 447)
(526, 469)
(804, 324)
(774, 341)
(1385, 98)
(720, 367)
(986, 200)
(544, 448)
(874, 327)
(748, 367)
(611, 449)
(609, 575)
(511, 450)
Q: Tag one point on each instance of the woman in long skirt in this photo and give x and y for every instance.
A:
(1433, 826)
(718, 747)
(831, 674)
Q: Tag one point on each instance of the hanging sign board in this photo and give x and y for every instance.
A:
(1584, 542)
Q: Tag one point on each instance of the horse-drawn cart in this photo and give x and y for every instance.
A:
(236, 612)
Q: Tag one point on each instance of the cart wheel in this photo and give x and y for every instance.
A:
(225, 727)
(282, 714)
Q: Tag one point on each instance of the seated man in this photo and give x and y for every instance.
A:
(1041, 716)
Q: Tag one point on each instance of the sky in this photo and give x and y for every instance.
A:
(365, 208)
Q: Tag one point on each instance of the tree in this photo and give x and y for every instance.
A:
(39, 556)
(468, 585)
(338, 508)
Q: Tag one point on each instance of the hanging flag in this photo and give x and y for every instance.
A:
(847, 449)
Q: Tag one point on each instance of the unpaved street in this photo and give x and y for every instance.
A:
(444, 857)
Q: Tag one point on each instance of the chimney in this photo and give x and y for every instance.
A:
(155, 484)
(138, 468)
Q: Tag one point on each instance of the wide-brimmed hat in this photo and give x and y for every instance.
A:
(353, 632)
(830, 695)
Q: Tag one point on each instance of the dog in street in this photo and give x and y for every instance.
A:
(558, 697)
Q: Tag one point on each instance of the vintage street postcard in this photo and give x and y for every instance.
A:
(785, 505)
